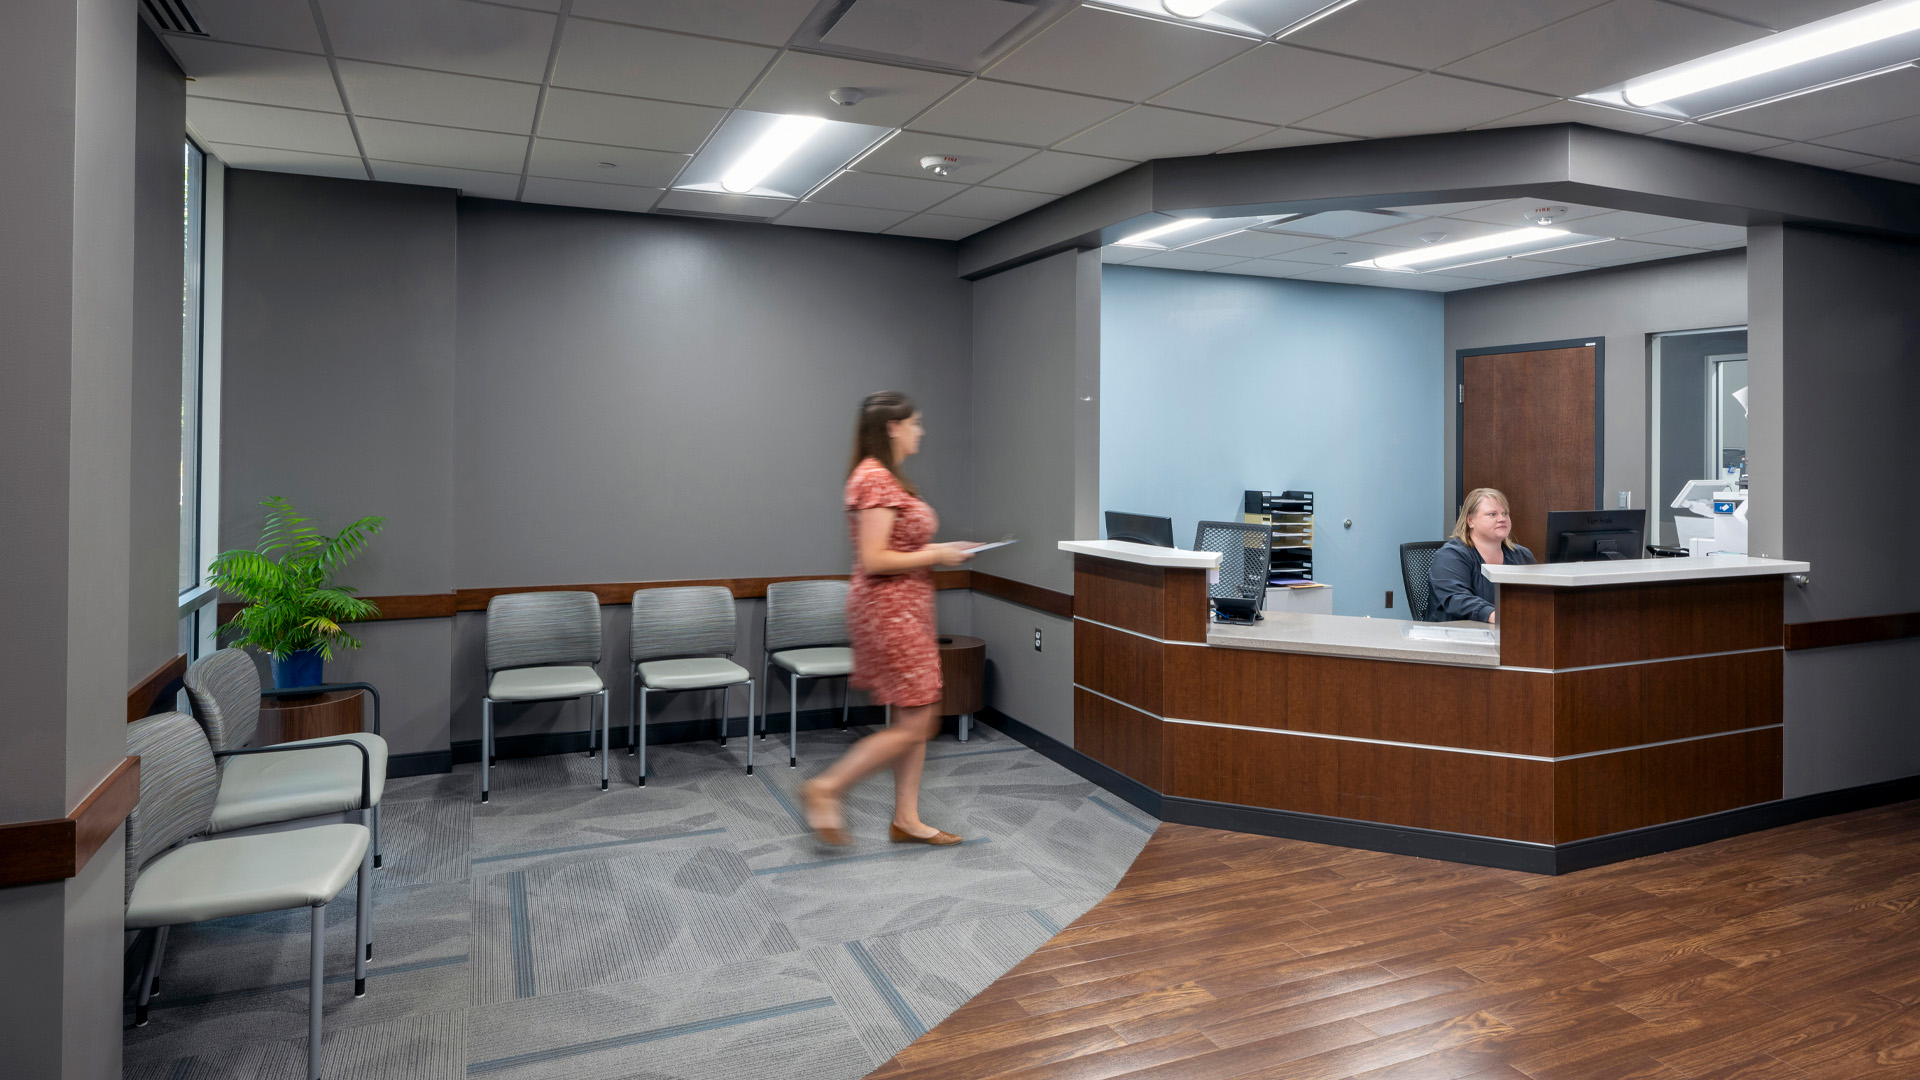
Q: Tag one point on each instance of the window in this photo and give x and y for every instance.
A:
(199, 395)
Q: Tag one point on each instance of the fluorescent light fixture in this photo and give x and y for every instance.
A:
(1190, 9)
(776, 156)
(1315, 17)
(1187, 231)
(1863, 76)
(1140, 239)
(1814, 41)
(766, 154)
(1479, 245)
(1244, 18)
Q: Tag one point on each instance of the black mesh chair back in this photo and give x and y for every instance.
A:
(1245, 555)
(1416, 571)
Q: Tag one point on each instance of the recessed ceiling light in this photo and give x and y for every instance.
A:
(1190, 9)
(1512, 244)
(1246, 18)
(766, 154)
(775, 156)
(1187, 231)
(1140, 239)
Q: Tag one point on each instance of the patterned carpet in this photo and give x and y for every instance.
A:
(688, 929)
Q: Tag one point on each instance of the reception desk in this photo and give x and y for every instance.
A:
(1621, 707)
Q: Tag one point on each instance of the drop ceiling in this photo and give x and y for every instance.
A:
(602, 103)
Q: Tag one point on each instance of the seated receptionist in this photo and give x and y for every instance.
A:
(1460, 590)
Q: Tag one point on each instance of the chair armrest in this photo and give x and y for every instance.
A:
(366, 760)
(324, 687)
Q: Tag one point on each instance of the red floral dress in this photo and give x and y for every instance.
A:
(896, 657)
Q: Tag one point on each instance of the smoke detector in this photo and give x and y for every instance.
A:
(1545, 215)
(846, 95)
(940, 164)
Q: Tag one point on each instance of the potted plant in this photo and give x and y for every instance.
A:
(293, 611)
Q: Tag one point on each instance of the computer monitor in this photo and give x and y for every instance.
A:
(1140, 528)
(1595, 535)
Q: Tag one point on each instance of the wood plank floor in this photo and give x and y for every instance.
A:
(1785, 955)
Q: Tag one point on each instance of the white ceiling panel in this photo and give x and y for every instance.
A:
(1705, 234)
(433, 97)
(1509, 212)
(885, 192)
(997, 204)
(262, 76)
(1346, 275)
(1522, 269)
(1439, 283)
(1425, 103)
(1409, 234)
(1703, 135)
(1020, 114)
(291, 161)
(1278, 84)
(563, 160)
(1904, 171)
(1118, 256)
(1144, 132)
(446, 35)
(1057, 173)
(714, 202)
(623, 121)
(454, 148)
(1580, 112)
(768, 22)
(939, 226)
(1186, 260)
(555, 192)
(814, 215)
(1441, 209)
(1604, 46)
(265, 125)
(1824, 156)
(1779, 14)
(900, 156)
(1254, 244)
(1339, 224)
(485, 185)
(1339, 252)
(1092, 51)
(1627, 223)
(1897, 139)
(652, 64)
(278, 24)
(1618, 252)
(1431, 33)
(1893, 96)
(1269, 268)
(1281, 137)
(799, 83)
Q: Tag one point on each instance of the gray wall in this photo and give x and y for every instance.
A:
(1621, 305)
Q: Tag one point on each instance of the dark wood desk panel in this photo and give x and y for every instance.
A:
(1609, 707)
(1619, 624)
(1118, 737)
(1632, 789)
(1120, 665)
(1475, 794)
(1151, 600)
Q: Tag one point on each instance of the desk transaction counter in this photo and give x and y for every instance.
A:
(1616, 700)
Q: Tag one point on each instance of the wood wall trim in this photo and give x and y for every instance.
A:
(54, 849)
(159, 686)
(1547, 627)
(1828, 633)
(1054, 603)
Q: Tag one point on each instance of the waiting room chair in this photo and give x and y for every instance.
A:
(806, 637)
(542, 646)
(1416, 573)
(173, 879)
(683, 639)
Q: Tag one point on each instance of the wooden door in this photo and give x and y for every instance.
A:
(1529, 426)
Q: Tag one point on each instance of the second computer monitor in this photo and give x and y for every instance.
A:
(1595, 535)
(1140, 528)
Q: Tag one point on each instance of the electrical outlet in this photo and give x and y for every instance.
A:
(1389, 597)
(1036, 639)
(1626, 499)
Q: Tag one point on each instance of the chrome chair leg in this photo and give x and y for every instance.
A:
(793, 720)
(846, 697)
(726, 693)
(764, 681)
(376, 838)
(316, 987)
(363, 908)
(643, 736)
(633, 689)
(606, 737)
(723, 720)
(150, 978)
(486, 747)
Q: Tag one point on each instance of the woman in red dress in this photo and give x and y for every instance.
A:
(896, 657)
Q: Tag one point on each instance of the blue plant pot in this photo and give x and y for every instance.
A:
(298, 669)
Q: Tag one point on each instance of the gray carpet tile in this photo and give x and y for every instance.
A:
(693, 928)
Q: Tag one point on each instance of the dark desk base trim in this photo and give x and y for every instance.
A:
(1133, 791)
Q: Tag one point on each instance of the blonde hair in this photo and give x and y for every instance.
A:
(1471, 504)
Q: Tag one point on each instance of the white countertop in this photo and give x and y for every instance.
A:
(1641, 571)
(1351, 635)
(1144, 554)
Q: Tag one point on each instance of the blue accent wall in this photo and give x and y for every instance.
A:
(1214, 384)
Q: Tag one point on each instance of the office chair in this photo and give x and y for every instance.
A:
(542, 646)
(683, 639)
(806, 637)
(1245, 561)
(1416, 573)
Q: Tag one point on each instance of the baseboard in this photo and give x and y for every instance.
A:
(420, 764)
(467, 751)
(1365, 835)
(1126, 787)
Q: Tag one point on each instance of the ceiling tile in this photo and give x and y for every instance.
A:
(264, 125)
(485, 185)
(1117, 256)
(278, 24)
(1510, 211)
(432, 97)
(454, 148)
(1409, 234)
(1617, 252)
(939, 226)
(1521, 269)
(1019, 114)
(1603, 46)
(1628, 223)
(1144, 132)
(1278, 84)
(1254, 244)
(649, 63)
(1058, 173)
(996, 204)
(1442, 209)
(624, 121)
(1706, 235)
(1721, 138)
(1338, 223)
(767, 22)
(1778, 14)
(1903, 171)
(799, 83)
(262, 76)
(555, 192)
(1435, 282)
(1430, 33)
(1279, 138)
(293, 161)
(565, 160)
(1425, 103)
(446, 35)
(1892, 96)
(885, 192)
(951, 34)
(1580, 112)
(900, 156)
(714, 202)
(814, 215)
(1895, 139)
(1824, 156)
(1269, 268)
(1092, 51)
(1187, 260)
(1340, 252)
(1347, 275)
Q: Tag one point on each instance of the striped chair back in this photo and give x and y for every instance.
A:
(534, 628)
(225, 690)
(806, 613)
(178, 784)
(696, 620)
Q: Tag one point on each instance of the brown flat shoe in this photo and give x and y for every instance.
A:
(939, 839)
(812, 799)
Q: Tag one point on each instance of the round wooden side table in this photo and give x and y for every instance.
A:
(309, 716)
(963, 668)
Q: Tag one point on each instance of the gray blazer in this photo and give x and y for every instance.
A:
(1460, 590)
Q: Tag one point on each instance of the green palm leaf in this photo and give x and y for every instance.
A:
(291, 602)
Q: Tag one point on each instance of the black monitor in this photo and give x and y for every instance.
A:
(1140, 528)
(1595, 535)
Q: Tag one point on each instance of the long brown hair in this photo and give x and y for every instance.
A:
(870, 438)
(1472, 504)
